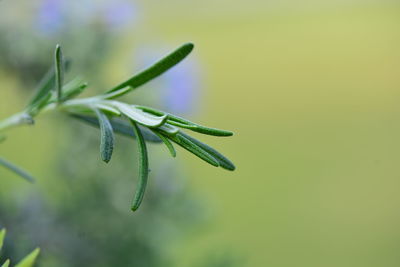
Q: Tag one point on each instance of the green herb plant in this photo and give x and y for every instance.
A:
(111, 116)
(28, 261)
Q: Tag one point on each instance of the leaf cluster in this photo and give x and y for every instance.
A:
(28, 261)
(112, 117)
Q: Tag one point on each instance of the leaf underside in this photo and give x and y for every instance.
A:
(222, 160)
(139, 116)
(121, 127)
(106, 136)
(143, 168)
(194, 149)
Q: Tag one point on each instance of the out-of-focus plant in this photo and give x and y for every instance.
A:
(28, 261)
(110, 115)
(90, 25)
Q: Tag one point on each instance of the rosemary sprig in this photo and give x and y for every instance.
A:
(145, 124)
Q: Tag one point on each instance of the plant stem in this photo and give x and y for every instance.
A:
(16, 120)
(24, 118)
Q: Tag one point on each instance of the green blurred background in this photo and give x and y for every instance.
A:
(310, 88)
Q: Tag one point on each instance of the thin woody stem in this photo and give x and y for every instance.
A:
(16, 120)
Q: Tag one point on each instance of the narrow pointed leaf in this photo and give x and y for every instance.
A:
(117, 93)
(143, 168)
(45, 86)
(59, 71)
(106, 136)
(16, 170)
(29, 260)
(151, 110)
(157, 69)
(73, 88)
(6, 263)
(222, 160)
(167, 143)
(39, 105)
(120, 127)
(183, 123)
(201, 129)
(139, 116)
(2, 236)
(195, 149)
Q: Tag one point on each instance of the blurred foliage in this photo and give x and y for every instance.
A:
(28, 261)
(30, 30)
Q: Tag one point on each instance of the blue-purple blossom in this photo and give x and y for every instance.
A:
(118, 14)
(53, 15)
(50, 16)
(181, 88)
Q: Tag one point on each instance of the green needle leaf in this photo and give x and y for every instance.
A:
(195, 149)
(199, 128)
(151, 110)
(6, 263)
(29, 260)
(44, 87)
(222, 160)
(2, 236)
(39, 105)
(117, 93)
(59, 72)
(157, 69)
(140, 116)
(107, 136)
(120, 127)
(73, 88)
(168, 144)
(17, 170)
(183, 123)
(143, 168)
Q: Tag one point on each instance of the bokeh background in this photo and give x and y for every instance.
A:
(311, 89)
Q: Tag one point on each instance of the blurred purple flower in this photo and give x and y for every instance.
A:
(118, 14)
(50, 16)
(182, 84)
